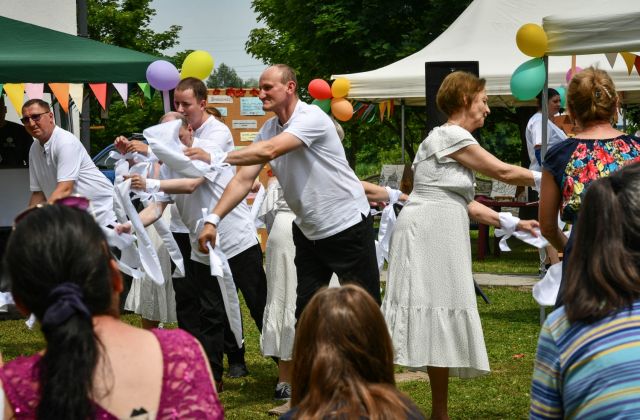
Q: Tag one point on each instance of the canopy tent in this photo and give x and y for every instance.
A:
(485, 32)
(34, 54)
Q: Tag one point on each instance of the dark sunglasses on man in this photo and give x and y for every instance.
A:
(34, 117)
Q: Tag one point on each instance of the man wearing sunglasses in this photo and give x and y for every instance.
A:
(60, 166)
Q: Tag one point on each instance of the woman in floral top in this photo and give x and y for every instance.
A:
(598, 150)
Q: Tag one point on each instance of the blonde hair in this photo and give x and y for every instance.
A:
(457, 91)
(591, 96)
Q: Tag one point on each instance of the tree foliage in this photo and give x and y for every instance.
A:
(319, 39)
(224, 77)
(125, 23)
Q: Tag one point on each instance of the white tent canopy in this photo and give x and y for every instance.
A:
(486, 32)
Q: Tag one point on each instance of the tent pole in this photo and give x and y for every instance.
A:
(402, 127)
(545, 107)
(85, 116)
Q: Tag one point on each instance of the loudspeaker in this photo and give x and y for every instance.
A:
(434, 73)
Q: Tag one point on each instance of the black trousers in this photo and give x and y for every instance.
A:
(351, 254)
(250, 279)
(199, 306)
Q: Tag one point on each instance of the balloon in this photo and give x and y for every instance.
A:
(563, 96)
(532, 40)
(319, 89)
(341, 109)
(323, 104)
(198, 64)
(569, 76)
(162, 75)
(528, 79)
(340, 87)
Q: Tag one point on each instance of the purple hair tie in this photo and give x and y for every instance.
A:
(64, 301)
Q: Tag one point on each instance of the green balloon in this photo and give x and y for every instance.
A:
(563, 96)
(323, 104)
(528, 79)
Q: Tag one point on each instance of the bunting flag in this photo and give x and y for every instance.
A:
(611, 57)
(382, 106)
(636, 63)
(146, 89)
(76, 91)
(34, 90)
(61, 92)
(629, 59)
(1, 85)
(123, 90)
(100, 91)
(15, 92)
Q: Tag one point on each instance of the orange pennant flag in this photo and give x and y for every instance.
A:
(61, 92)
(383, 106)
(636, 63)
(15, 92)
(629, 59)
(100, 90)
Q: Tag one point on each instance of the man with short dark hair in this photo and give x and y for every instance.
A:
(59, 165)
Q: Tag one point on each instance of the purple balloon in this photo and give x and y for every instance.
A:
(162, 75)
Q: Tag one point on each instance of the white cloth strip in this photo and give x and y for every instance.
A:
(545, 292)
(257, 204)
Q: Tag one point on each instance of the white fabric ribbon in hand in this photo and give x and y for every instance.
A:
(6, 299)
(387, 225)
(508, 228)
(257, 205)
(164, 142)
(394, 195)
(537, 178)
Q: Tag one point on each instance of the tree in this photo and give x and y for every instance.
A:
(125, 23)
(318, 39)
(224, 77)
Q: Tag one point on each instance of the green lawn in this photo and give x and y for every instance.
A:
(510, 326)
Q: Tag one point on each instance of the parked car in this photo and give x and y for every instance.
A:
(105, 163)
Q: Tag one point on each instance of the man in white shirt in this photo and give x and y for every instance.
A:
(60, 166)
(333, 232)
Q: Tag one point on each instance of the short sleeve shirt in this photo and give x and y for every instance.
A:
(317, 182)
(534, 138)
(217, 132)
(64, 158)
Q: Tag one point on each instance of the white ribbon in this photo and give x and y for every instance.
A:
(6, 299)
(537, 179)
(257, 205)
(508, 226)
(148, 255)
(545, 292)
(164, 142)
(387, 225)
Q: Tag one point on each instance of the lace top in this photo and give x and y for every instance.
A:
(187, 391)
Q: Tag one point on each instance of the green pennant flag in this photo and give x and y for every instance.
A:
(1, 86)
(146, 89)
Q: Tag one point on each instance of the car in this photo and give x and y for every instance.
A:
(106, 163)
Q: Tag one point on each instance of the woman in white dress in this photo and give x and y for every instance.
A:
(430, 304)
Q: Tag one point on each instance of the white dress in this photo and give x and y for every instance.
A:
(148, 299)
(430, 303)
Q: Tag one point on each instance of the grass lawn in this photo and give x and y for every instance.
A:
(510, 326)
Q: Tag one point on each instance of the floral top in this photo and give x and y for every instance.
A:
(575, 163)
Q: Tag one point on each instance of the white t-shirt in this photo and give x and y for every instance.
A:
(317, 182)
(216, 131)
(64, 158)
(534, 137)
(237, 230)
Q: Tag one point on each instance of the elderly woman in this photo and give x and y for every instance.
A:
(430, 304)
(596, 151)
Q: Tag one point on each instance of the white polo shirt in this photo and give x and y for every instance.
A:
(237, 230)
(317, 182)
(534, 137)
(217, 132)
(64, 158)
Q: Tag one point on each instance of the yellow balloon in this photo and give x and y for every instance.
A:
(340, 87)
(532, 40)
(341, 109)
(198, 64)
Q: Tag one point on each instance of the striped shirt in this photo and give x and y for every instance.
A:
(588, 370)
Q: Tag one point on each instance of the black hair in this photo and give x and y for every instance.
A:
(50, 246)
(551, 92)
(603, 274)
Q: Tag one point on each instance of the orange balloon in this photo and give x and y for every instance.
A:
(341, 109)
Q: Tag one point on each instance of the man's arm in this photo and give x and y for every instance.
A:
(236, 190)
(63, 189)
(169, 186)
(148, 215)
(37, 197)
(263, 151)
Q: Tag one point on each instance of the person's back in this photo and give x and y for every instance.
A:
(94, 365)
(587, 360)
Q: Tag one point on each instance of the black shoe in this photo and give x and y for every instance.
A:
(237, 370)
(283, 391)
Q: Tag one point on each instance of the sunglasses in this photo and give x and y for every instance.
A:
(34, 117)
(74, 201)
